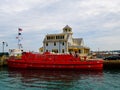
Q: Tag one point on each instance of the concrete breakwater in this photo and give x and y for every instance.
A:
(111, 64)
(3, 60)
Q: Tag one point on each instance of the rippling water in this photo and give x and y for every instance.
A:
(59, 80)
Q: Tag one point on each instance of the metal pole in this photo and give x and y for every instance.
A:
(18, 44)
(3, 46)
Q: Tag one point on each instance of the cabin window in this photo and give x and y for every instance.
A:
(56, 37)
(79, 51)
(63, 43)
(54, 43)
(63, 50)
(70, 50)
(55, 50)
(62, 37)
(46, 44)
(66, 30)
(50, 37)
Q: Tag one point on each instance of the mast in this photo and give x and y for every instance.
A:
(19, 38)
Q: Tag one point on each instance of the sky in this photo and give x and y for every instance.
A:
(96, 21)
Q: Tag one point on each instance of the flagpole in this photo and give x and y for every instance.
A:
(18, 37)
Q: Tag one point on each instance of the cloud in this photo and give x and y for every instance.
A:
(96, 21)
(112, 25)
(14, 6)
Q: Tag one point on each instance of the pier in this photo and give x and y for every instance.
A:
(111, 64)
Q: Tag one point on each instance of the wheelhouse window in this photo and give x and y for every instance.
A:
(50, 37)
(60, 37)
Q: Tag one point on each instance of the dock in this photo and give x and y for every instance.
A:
(3, 58)
(111, 64)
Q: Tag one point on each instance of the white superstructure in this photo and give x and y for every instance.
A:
(64, 42)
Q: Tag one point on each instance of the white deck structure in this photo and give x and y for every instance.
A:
(64, 42)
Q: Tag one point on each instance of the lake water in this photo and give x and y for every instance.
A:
(59, 80)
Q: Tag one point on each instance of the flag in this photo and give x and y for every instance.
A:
(19, 29)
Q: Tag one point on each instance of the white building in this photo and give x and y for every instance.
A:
(64, 42)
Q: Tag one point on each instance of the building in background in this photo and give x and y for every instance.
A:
(64, 43)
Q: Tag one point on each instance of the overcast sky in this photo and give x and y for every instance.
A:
(96, 21)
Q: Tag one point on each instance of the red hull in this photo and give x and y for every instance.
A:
(54, 61)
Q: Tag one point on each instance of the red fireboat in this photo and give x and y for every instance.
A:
(47, 60)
